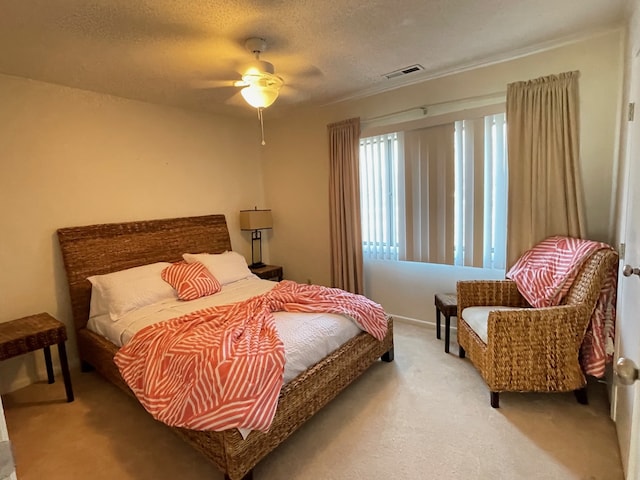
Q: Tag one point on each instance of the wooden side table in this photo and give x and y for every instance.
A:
(268, 272)
(447, 304)
(34, 332)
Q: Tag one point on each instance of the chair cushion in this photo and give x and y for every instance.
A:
(478, 318)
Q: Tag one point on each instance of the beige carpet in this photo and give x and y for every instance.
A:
(424, 416)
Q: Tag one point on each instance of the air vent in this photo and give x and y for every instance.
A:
(404, 71)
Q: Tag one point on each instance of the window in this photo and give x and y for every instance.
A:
(436, 194)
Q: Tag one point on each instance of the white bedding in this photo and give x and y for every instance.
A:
(307, 337)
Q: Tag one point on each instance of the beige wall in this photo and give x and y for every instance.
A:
(296, 165)
(71, 157)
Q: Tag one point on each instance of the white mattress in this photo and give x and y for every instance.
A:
(307, 337)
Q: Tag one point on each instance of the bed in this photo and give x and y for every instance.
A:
(101, 249)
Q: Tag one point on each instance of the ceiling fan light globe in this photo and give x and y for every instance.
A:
(259, 97)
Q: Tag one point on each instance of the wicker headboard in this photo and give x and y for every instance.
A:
(99, 249)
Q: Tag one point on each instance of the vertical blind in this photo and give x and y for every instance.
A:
(436, 194)
(481, 192)
(428, 192)
(379, 182)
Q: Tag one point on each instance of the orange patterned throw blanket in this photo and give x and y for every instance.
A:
(222, 367)
(544, 275)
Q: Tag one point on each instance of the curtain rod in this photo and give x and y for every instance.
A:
(422, 108)
(440, 107)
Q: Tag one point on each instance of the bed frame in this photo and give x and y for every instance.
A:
(99, 249)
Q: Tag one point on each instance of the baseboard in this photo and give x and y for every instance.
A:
(24, 379)
(418, 322)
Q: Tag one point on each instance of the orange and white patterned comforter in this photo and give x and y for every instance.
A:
(222, 367)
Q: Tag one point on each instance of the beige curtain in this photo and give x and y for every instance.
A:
(545, 192)
(344, 206)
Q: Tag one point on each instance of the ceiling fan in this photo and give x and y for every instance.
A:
(261, 85)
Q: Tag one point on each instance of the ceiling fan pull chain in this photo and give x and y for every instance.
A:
(261, 125)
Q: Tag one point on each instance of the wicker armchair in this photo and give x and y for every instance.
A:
(532, 349)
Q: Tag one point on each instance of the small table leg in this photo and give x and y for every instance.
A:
(64, 364)
(437, 323)
(447, 332)
(49, 365)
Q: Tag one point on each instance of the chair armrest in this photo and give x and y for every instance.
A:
(537, 333)
(481, 293)
(535, 349)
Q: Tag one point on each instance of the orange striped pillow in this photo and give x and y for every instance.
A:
(191, 280)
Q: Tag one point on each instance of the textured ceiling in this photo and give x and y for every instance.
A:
(188, 53)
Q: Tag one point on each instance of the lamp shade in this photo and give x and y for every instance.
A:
(255, 219)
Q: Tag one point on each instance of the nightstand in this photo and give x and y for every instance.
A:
(33, 333)
(447, 304)
(268, 272)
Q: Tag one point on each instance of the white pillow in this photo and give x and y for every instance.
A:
(120, 292)
(227, 267)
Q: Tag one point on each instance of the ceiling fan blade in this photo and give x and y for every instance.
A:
(309, 72)
(289, 90)
(213, 83)
(237, 100)
(213, 94)
(293, 67)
